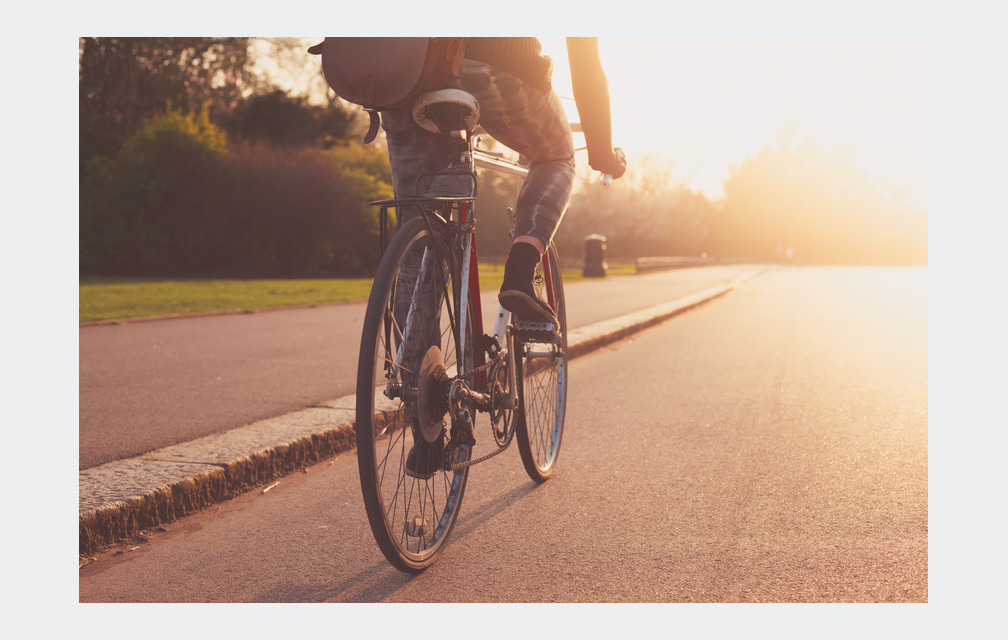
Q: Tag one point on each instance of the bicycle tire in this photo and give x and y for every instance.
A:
(411, 519)
(542, 386)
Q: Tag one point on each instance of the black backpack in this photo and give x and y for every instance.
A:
(387, 73)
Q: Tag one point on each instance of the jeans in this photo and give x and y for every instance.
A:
(517, 115)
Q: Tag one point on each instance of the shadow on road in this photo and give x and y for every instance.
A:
(381, 580)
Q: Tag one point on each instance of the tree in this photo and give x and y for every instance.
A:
(643, 214)
(124, 81)
(799, 193)
(285, 120)
(177, 201)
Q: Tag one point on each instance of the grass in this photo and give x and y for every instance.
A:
(124, 299)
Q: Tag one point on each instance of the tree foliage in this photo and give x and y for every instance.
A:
(177, 201)
(194, 163)
(794, 194)
(284, 120)
(129, 218)
(125, 81)
(798, 193)
(643, 214)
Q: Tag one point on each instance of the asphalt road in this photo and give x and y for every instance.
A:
(146, 385)
(770, 446)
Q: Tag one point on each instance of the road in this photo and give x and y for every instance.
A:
(146, 385)
(770, 446)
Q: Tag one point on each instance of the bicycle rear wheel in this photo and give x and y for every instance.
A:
(413, 307)
(541, 373)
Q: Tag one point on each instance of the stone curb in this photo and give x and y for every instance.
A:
(120, 499)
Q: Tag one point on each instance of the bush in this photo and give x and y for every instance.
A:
(131, 218)
(297, 212)
(177, 201)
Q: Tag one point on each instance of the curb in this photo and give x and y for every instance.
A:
(120, 499)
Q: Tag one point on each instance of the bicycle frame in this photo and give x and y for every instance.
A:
(425, 360)
(472, 159)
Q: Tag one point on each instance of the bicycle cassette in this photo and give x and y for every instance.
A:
(432, 394)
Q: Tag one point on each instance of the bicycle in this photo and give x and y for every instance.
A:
(427, 371)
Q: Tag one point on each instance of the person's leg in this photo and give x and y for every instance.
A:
(533, 123)
(413, 152)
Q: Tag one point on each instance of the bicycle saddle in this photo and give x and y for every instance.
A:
(446, 110)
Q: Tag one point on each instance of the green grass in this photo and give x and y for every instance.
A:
(124, 299)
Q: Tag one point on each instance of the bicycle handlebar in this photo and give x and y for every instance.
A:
(607, 178)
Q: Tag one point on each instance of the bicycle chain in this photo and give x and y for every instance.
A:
(497, 359)
(482, 367)
(547, 336)
(462, 465)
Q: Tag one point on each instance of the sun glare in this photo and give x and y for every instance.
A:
(707, 104)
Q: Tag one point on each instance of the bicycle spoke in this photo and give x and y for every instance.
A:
(383, 461)
(540, 429)
(407, 503)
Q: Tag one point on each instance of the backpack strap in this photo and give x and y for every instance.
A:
(373, 128)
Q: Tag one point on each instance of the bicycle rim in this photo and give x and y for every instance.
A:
(541, 371)
(411, 518)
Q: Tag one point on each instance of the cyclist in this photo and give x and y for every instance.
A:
(511, 80)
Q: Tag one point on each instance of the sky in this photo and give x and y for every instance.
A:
(706, 104)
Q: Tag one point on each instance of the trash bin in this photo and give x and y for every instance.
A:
(594, 256)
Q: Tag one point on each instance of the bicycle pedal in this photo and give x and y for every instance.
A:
(521, 325)
(543, 332)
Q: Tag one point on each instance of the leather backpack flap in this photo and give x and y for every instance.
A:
(374, 72)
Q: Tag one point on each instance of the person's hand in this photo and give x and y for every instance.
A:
(612, 163)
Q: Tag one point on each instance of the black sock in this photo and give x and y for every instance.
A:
(519, 270)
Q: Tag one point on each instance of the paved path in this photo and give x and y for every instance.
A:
(146, 385)
(769, 446)
(124, 496)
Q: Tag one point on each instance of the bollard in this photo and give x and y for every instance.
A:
(594, 257)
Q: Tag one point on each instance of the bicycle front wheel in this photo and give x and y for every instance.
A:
(541, 373)
(413, 308)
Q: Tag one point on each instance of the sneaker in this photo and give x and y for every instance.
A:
(517, 294)
(527, 308)
(425, 459)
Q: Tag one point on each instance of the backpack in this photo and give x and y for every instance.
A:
(387, 73)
